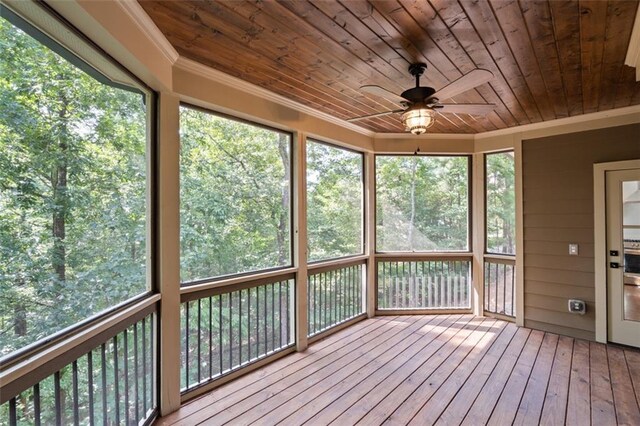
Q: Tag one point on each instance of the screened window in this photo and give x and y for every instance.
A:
(500, 203)
(73, 174)
(235, 196)
(334, 202)
(422, 203)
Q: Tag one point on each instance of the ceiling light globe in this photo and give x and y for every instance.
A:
(418, 118)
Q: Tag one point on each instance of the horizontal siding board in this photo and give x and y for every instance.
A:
(561, 290)
(575, 235)
(559, 329)
(580, 220)
(557, 207)
(565, 319)
(557, 304)
(583, 279)
(557, 248)
(567, 263)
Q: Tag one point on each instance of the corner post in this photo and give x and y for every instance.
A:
(168, 352)
(300, 238)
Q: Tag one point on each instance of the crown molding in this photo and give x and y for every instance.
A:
(633, 51)
(633, 111)
(220, 77)
(427, 136)
(148, 27)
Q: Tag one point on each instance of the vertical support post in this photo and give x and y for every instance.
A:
(370, 234)
(478, 233)
(300, 238)
(517, 152)
(168, 350)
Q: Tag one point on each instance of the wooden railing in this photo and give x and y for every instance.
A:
(499, 285)
(226, 328)
(334, 294)
(103, 375)
(428, 282)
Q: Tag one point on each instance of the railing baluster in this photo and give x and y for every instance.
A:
(240, 316)
(103, 370)
(199, 343)
(273, 318)
(136, 373)
(210, 336)
(116, 381)
(125, 365)
(36, 405)
(220, 349)
(230, 321)
(58, 402)
(13, 417)
(74, 384)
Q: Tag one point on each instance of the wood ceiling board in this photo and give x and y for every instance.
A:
(550, 59)
(565, 15)
(278, 75)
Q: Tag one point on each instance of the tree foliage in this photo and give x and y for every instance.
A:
(234, 196)
(422, 203)
(334, 202)
(501, 205)
(72, 192)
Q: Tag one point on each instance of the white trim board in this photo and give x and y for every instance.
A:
(633, 51)
(600, 240)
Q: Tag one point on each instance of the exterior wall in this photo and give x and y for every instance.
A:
(558, 210)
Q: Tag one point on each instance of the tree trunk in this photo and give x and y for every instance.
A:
(283, 246)
(19, 320)
(60, 196)
(412, 216)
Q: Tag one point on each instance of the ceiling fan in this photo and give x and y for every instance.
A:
(421, 103)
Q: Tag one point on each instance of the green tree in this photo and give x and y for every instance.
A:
(72, 192)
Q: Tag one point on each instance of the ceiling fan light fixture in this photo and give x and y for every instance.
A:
(418, 118)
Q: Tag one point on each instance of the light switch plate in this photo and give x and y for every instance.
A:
(573, 249)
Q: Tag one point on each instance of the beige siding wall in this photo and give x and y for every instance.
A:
(558, 210)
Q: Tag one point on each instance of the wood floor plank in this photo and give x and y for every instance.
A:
(382, 411)
(431, 411)
(378, 391)
(254, 401)
(602, 409)
(532, 401)
(555, 402)
(289, 400)
(331, 343)
(626, 406)
(633, 364)
(579, 403)
(308, 365)
(341, 396)
(462, 401)
(470, 347)
(435, 369)
(483, 405)
(507, 406)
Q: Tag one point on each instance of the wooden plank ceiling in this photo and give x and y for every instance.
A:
(550, 59)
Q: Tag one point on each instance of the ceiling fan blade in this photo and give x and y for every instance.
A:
(467, 82)
(383, 93)
(377, 114)
(473, 109)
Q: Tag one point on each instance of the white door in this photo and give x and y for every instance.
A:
(623, 245)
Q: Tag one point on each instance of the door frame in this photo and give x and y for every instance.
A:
(600, 240)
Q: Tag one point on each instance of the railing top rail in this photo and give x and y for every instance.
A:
(332, 265)
(408, 257)
(500, 258)
(226, 282)
(33, 369)
(240, 283)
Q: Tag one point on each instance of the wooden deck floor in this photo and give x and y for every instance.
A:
(449, 370)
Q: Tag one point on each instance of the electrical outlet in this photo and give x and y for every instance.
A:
(573, 249)
(577, 306)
